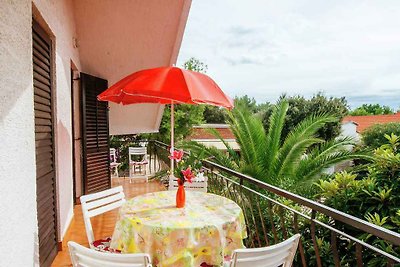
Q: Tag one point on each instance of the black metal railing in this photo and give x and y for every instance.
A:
(329, 237)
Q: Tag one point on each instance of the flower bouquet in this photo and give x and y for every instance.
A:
(186, 169)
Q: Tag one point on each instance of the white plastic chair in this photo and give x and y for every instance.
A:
(281, 254)
(85, 257)
(140, 152)
(113, 162)
(194, 185)
(96, 204)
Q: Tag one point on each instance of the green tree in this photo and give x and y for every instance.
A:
(194, 64)
(300, 108)
(213, 114)
(246, 102)
(371, 109)
(291, 164)
(374, 136)
(219, 115)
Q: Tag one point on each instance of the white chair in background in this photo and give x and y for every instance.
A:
(281, 254)
(85, 257)
(96, 204)
(138, 161)
(195, 185)
(113, 162)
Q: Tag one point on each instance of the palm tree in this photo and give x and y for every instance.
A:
(292, 163)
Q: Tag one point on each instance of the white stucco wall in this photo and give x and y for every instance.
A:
(58, 17)
(18, 223)
(350, 129)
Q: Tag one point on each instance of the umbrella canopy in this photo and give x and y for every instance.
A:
(166, 85)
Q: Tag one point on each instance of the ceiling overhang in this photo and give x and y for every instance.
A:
(116, 38)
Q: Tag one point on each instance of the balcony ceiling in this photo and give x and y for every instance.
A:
(116, 38)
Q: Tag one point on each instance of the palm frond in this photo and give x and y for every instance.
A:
(232, 153)
(276, 123)
(250, 136)
(304, 133)
(325, 156)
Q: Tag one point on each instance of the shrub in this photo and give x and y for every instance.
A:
(374, 136)
(373, 196)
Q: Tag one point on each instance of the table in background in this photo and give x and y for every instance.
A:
(205, 231)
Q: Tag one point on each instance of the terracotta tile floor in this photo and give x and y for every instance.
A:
(103, 225)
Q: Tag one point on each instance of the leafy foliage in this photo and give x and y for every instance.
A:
(213, 114)
(371, 109)
(194, 64)
(374, 136)
(289, 164)
(300, 108)
(218, 115)
(374, 195)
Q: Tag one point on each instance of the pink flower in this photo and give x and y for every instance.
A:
(188, 174)
(176, 155)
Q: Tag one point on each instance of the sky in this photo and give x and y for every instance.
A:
(266, 48)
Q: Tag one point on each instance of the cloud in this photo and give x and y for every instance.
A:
(242, 60)
(266, 48)
(240, 30)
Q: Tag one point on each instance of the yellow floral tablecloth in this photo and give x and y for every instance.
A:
(202, 233)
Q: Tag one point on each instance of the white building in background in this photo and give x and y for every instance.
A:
(349, 128)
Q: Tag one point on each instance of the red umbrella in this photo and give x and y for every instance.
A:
(167, 85)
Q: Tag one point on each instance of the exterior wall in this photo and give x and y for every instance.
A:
(18, 223)
(350, 129)
(58, 18)
(218, 143)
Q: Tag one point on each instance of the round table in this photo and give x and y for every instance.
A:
(202, 233)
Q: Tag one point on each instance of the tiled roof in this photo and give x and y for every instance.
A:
(364, 122)
(203, 133)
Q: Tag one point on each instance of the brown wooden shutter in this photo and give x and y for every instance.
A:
(44, 140)
(96, 159)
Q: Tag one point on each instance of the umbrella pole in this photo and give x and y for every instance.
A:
(172, 135)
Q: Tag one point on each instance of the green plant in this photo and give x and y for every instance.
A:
(293, 163)
(186, 167)
(300, 108)
(373, 195)
(374, 136)
(371, 109)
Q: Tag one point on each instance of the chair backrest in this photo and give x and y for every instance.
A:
(98, 203)
(281, 254)
(113, 157)
(137, 151)
(194, 185)
(84, 257)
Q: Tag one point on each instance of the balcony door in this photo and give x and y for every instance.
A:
(95, 131)
(44, 139)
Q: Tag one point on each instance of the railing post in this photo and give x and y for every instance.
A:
(314, 239)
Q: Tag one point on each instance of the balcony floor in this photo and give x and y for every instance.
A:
(103, 225)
